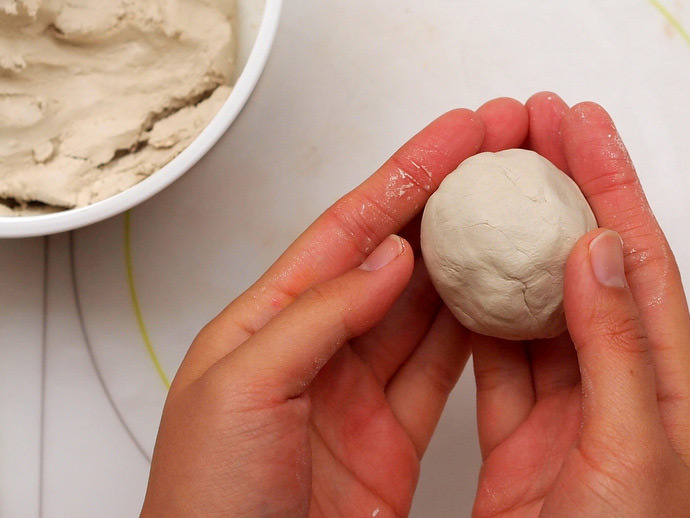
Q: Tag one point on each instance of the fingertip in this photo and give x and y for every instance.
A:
(505, 123)
(578, 295)
(587, 115)
(393, 258)
(587, 109)
(406, 258)
(597, 158)
(445, 142)
(579, 268)
(606, 259)
(471, 125)
(546, 111)
(578, 256)
(460, 113)
(385, 253)
(545, 97)
(460, 120)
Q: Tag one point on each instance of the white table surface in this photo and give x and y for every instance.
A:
(347, 83)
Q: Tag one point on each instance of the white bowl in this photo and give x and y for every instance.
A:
(257, 23)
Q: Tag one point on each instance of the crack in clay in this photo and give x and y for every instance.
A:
(530, 313)
(523, 289)
(119, 153)
(152, 119)
(28, 205)
(503, 233)
(184, 102)
(512, 180)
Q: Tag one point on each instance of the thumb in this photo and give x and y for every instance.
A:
(619, 391)
(287, 353)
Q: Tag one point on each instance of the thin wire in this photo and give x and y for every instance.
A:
(137, 308)
(92, 357)
(44, 340)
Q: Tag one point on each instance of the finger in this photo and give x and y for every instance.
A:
(417, 394)
(602, 168)
(384, 204)
(505, 394)
(554, 366)
(281, 359)
(411, 233)
(344, 234)
(388, 345)
(618, 382)
(546, 111)
(505, 124)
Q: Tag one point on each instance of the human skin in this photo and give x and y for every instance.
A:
(316, 392)
(596, 423)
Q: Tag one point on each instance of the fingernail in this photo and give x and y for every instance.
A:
(606, 256)
(389, 249)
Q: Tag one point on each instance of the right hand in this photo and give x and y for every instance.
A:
(597, 423)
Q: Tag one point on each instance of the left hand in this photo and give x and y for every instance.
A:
(317, 390)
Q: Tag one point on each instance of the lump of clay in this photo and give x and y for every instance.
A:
(96, 95)
(495, 238)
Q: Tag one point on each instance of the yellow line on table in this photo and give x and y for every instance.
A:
(671, 19)
(137, 308)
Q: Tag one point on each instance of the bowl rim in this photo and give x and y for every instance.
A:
(44, 224)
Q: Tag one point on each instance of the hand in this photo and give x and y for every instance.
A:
(601, 429)
(317, 391)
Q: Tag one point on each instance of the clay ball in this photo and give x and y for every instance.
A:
(495, 239)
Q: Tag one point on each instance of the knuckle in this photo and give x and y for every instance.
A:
(647, 247)
(440, 376)
(219, 393)
(612, 178)
(216, 330)
(207, 333)
(653, 259)
(412, 174)
(491, 377)
(321, 296)
(359, 217)
(211, 394)
(623, 332)
(317, 295)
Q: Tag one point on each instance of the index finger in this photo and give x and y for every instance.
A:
(601, 166)
(344, 234)
(383, 204)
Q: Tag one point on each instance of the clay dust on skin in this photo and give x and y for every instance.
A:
(428, 187)
(615, 152)
(400, 184)
(633, 255)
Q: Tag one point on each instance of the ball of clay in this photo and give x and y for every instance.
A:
(495, 238)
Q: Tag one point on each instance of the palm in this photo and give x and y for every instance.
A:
(363, 459)
(375, 404)
(525, 453)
